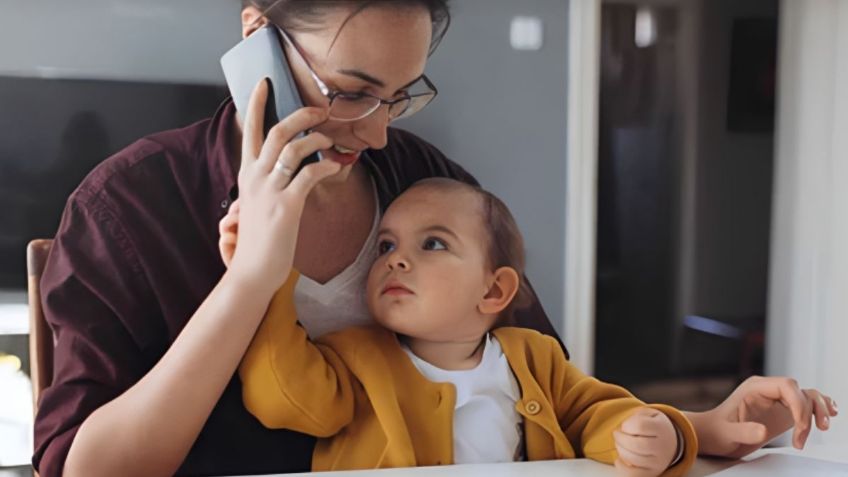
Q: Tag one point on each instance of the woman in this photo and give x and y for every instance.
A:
(150, 329)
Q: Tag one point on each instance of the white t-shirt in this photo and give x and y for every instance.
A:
(486, 426)
(340, 303)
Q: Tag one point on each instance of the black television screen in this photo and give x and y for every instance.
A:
(54, 131)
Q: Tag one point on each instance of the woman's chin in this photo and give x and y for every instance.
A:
(339, 177)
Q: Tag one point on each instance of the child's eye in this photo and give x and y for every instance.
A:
(385, 247)
(433, 243)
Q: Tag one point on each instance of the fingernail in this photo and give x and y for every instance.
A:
(826, 421)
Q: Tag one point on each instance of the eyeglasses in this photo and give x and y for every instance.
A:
(345, 106)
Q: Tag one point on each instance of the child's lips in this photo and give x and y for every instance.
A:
(396, 289)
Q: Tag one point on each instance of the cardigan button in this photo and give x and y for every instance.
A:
(533, 407)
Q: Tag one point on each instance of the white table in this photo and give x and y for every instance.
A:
(580, 467)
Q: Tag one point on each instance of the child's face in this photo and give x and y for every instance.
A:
(432, 270)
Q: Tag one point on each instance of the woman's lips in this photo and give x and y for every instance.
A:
(343, 159)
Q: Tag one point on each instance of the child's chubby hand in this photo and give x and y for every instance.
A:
(646, 443)
(228, 230)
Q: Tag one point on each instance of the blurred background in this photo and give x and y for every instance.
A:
(677, 167)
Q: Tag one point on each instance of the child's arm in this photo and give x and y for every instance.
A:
(287, 381)
(599, 419)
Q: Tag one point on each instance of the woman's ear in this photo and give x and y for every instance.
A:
(251, 20)
(502, 289)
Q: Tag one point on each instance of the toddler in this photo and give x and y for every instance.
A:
(441, 377)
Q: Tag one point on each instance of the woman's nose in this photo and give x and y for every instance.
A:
(372, 129)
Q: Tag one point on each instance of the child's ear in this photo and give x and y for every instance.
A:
(502, 289)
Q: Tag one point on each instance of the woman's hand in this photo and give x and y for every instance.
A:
(646, 443)
(759, 410)
(271, 201)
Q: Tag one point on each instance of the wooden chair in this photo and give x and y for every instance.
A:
(40, 335)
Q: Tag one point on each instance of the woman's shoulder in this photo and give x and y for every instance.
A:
(150, 159)
(167, 169)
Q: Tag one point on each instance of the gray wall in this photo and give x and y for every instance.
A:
(164, 40)
(502, 114)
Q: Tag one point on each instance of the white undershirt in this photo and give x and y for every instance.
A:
(340, 303)
(486, 426)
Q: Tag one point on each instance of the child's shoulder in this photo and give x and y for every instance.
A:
(357, 337)
(521, 334)
(527, 341)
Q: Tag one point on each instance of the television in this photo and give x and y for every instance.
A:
(54, 131)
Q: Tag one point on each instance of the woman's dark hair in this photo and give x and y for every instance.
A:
(506, 244)
(306, 15)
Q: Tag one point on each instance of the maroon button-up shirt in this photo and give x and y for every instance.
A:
(136, 254)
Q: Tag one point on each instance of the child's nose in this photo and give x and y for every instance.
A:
(398, 261)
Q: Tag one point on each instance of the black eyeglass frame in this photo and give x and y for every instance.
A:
(332, 94)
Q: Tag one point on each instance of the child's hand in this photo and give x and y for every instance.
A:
(646, 444)
(228, 229)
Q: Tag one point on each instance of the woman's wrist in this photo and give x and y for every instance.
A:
(247, 286)
(701, 422)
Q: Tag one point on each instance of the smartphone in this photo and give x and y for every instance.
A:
(259, 56)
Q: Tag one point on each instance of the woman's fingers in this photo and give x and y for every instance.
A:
(831, 404)
(293, 154)
(820, 409)
(311, 175)
(746, 433)
(283, 134)
(802, 411)
(787, 392)
(253, 124)
(266, 151)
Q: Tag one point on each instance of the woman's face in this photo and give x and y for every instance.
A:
(380, 51)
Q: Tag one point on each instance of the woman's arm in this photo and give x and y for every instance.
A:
(150, 428)
(758, 410)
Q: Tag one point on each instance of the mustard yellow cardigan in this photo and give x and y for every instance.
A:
(360, 393)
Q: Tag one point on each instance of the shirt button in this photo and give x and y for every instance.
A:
(225, 203)
(533, 408)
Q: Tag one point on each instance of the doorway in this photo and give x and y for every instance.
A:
(685, 162)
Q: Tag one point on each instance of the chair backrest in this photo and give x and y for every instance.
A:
(40, 334)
